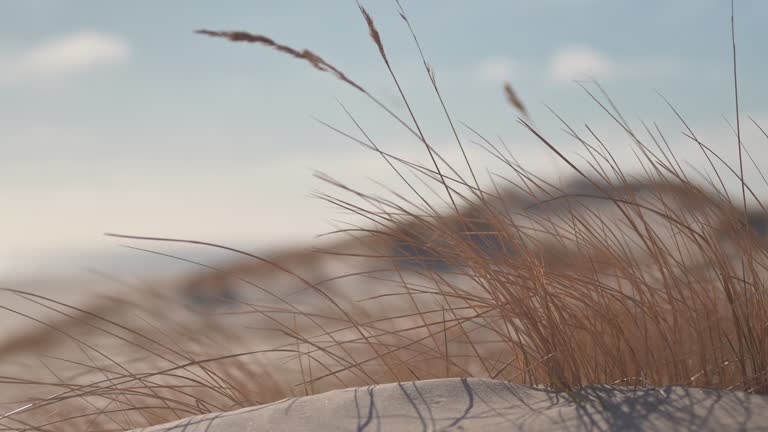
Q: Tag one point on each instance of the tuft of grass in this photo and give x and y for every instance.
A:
(651, 279)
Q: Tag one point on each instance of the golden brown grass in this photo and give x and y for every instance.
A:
(663, 285)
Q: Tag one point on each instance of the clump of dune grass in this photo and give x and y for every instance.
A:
(533, 286)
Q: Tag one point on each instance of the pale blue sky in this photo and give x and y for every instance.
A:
(115, 116)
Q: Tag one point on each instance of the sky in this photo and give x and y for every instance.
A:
(117, 117)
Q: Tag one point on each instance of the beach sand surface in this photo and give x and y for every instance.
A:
(470, 404)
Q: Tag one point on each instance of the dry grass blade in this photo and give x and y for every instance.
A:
(514, 100)
(374, 32)
(315, 60)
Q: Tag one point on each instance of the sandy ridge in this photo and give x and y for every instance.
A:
(469, 404)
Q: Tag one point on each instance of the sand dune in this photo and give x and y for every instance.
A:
(487, 405)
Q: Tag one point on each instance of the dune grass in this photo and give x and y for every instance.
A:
(524, 280)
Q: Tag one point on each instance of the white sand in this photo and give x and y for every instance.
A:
(486, 405)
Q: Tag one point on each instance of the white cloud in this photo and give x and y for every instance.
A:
(579, 62)
(496, 69)
(65, 55)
